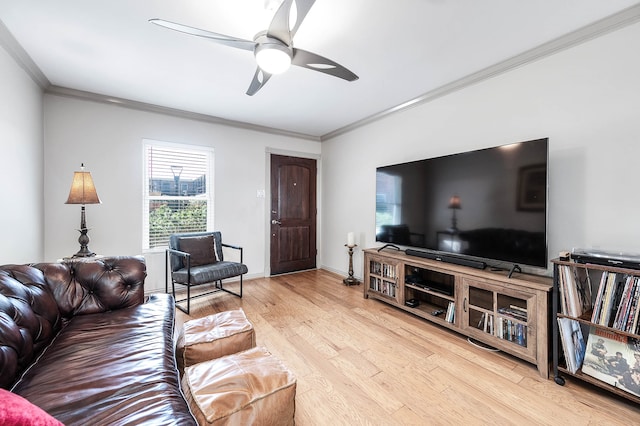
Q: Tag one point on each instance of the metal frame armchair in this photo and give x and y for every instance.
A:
(196, 258)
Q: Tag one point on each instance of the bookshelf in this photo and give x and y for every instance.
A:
(596, 315)
(509, 314)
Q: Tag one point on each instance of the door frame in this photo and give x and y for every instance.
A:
(267, 203)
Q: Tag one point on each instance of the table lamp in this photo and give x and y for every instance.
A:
(454, 204)
(83, 192)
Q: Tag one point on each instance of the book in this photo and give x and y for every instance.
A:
(514, 312)
(575, 290)
(481, 320)
(574, 305)
(609, 298)
(573, 343)
(597, 306)
(486, 323)
(583, 284)
(626, 303)
(635, 310)
(614, 359)
(450, 315)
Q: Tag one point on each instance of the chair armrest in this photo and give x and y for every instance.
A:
(168, 267)
(235, 248)
(178, 252)
(182, 254)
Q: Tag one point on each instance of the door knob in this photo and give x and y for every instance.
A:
(275, 222)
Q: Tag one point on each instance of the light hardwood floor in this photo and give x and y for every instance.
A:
(362, 362)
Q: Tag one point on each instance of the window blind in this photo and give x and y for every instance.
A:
(177, 191)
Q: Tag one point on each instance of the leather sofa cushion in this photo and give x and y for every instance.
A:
(115, 367)
(37, 301)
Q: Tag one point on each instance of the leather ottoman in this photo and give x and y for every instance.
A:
(250, 387)
(213, 336)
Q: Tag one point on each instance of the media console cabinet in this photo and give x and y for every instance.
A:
(509, 314)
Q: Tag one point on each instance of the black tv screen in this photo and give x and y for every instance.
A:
(489, 204)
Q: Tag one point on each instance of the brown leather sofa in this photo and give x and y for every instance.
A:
(81, 341)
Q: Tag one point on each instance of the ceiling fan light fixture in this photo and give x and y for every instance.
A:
(273, 48)
(273, 58)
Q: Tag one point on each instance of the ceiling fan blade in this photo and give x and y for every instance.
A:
(218, 38)
(260, 78)
(305, 59)
(281, 26)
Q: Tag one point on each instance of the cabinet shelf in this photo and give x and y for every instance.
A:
(587, 321)
(517, 306)
(431, 292)
(427, 309)
(596, 382)
(382, 294)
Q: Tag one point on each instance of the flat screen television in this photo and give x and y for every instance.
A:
(489, 204)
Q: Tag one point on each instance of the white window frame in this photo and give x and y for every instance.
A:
(147, 198)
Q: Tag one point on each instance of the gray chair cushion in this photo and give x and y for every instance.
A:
(210, 273)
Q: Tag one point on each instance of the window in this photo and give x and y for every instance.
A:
(388, 200)
(177, 191)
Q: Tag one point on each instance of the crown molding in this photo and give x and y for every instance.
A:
(604, 26)
(142, 106)
(21, 57)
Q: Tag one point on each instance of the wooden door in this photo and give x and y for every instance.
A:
(293, 214)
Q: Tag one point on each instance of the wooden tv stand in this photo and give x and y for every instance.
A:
(510, 314)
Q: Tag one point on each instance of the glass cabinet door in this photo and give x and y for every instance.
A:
(383, 278)
(499, 312)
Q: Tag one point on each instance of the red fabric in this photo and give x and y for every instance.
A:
(17, 411)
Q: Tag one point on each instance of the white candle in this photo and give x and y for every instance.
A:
(351, 240)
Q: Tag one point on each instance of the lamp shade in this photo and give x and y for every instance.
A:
(83, 191)
(454, 202)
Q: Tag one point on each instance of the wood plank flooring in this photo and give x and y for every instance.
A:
(362, 362)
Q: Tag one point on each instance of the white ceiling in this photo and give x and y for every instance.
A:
(401, 50)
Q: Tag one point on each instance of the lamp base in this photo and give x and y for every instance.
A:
(83, 254)
(350, 281)
(83, 239)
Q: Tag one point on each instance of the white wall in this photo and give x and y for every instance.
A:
(585, 99)
(108, 140)
(21, 148)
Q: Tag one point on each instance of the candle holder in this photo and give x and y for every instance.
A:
(350, 280)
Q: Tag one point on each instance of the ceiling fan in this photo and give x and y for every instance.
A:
(273, 48)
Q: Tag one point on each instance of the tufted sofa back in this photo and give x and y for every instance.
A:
(29, 319)
(98, 286)
(36, 302)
